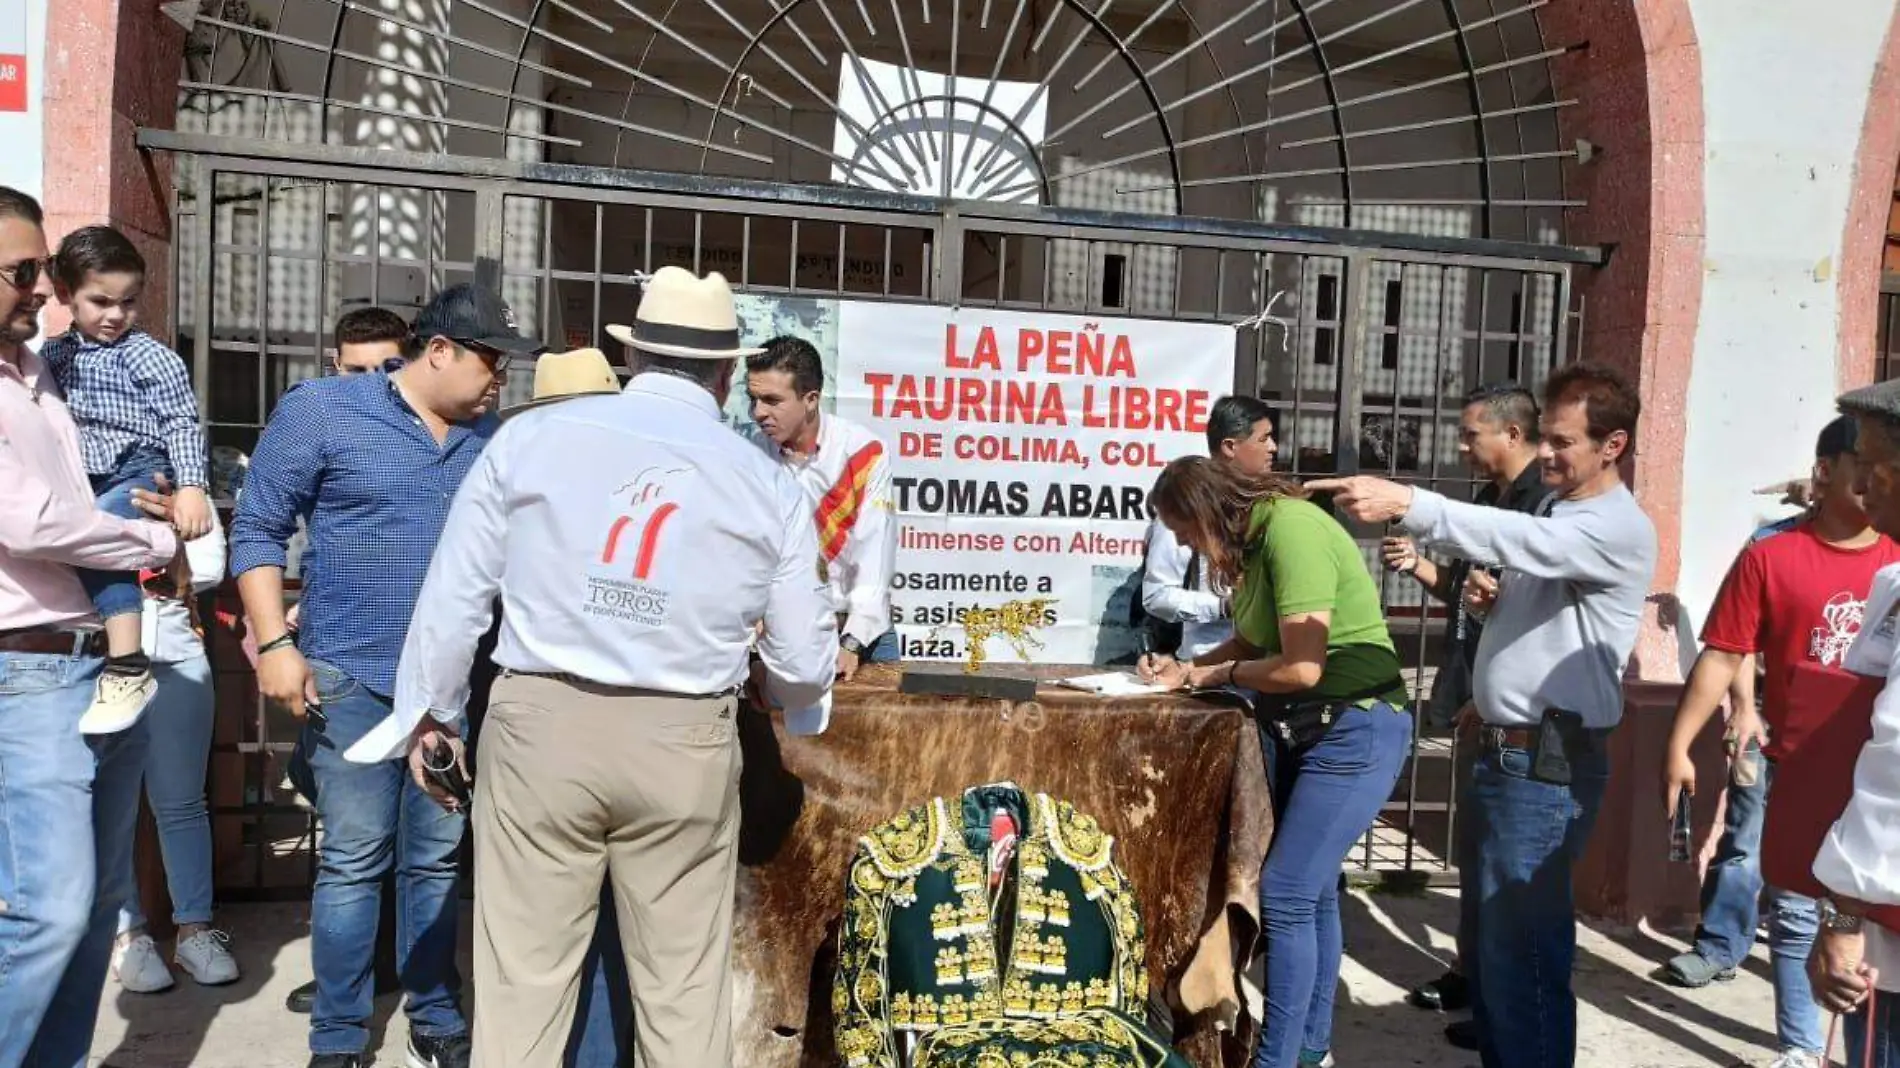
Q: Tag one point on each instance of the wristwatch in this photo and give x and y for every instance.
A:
(1833, 919)
(851, 645)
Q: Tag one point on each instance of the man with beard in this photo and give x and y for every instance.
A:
(71, 803)
(371, 463)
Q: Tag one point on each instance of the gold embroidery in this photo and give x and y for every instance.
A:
(970, 875)
(920, 859)
(949, 966)
(944, 922)
(908, 844)
(1074, 837)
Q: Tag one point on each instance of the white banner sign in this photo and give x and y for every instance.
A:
(1025, 445)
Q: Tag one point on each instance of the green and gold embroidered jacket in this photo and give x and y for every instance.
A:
(919, 943)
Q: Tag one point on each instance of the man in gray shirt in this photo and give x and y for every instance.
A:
(1548, 690)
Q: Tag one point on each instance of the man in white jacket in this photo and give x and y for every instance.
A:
(845, 472)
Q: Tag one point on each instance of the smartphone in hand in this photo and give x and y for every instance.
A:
(442, 769)
(1682, 830)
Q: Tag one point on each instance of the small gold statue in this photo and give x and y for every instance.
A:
(1015, 620)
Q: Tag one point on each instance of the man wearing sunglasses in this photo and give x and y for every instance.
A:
(70, 803)
(370, 462)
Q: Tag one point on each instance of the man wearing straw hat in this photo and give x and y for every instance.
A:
(636, 544)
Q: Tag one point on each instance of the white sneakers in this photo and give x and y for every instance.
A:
(139, 967)
(1797, 1058)
(203, 956)
(117, 702)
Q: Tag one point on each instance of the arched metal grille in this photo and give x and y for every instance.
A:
(1420, 116)
(1385, 176)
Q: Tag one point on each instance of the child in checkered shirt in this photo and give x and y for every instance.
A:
(138, 423)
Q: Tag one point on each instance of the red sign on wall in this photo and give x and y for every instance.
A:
(12, 82)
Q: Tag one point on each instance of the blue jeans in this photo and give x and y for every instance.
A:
(375, 816)
(885, 650)
(1793, 921)
(603, 1022)
(180, 716)
(117, 593)
(1519, 838)
(1731, 889)
(1885, 1020)
(1324, 799)
(68, 809)
(1731, 892)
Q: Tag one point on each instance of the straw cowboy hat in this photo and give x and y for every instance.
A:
(685, 316)
(560, 375)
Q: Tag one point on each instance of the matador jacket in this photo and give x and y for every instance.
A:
(940, 968)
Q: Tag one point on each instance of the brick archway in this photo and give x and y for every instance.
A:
(1868, 212)
(125, 53)
(1639, 87)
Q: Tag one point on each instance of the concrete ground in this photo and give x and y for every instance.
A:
(1626, 1019)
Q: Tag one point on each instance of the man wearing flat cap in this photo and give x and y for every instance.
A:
(637, 545)
(370, 463)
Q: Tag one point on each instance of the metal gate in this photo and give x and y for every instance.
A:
(1367, 365)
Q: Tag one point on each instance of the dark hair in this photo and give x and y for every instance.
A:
(95, 250)
(704, 372)
(1234, 417)
(366, 325)
(1216, 503)
(17, 205)
(1840, 436)
(1508, 404)
(1609, 401)
(796, 357)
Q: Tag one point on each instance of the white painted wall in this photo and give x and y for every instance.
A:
(1779, 170)
(23, 30)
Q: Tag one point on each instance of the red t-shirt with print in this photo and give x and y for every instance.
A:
(1793, 598)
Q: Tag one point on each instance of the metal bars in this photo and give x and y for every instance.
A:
(1367, 366)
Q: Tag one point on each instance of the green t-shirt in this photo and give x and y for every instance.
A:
(1299, 559)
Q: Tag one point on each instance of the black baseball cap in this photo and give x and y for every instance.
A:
(473, 315)
(1837, 438)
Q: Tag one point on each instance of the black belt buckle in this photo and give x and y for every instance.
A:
(1557, 735)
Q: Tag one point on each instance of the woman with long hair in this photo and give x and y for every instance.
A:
(1311, 642)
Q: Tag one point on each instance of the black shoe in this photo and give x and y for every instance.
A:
(1462, 1034)
(304, 998)
(447, 1052)
(1450, 992)
(339, 1060)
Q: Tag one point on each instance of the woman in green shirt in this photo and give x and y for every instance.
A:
(1311, 641)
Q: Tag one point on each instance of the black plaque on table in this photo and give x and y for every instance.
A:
(950, 680)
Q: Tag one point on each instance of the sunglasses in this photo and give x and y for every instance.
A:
(26, 273)
(496, 359)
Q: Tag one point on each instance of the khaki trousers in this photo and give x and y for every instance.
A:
(578, 782)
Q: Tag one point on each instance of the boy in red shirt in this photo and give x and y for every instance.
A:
(1794, 597)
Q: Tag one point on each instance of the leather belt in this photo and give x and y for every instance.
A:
(622, 691)
(54, 642)
(1493, 738)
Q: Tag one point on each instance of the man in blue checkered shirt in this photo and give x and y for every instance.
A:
(370, 462)
(138, 423)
